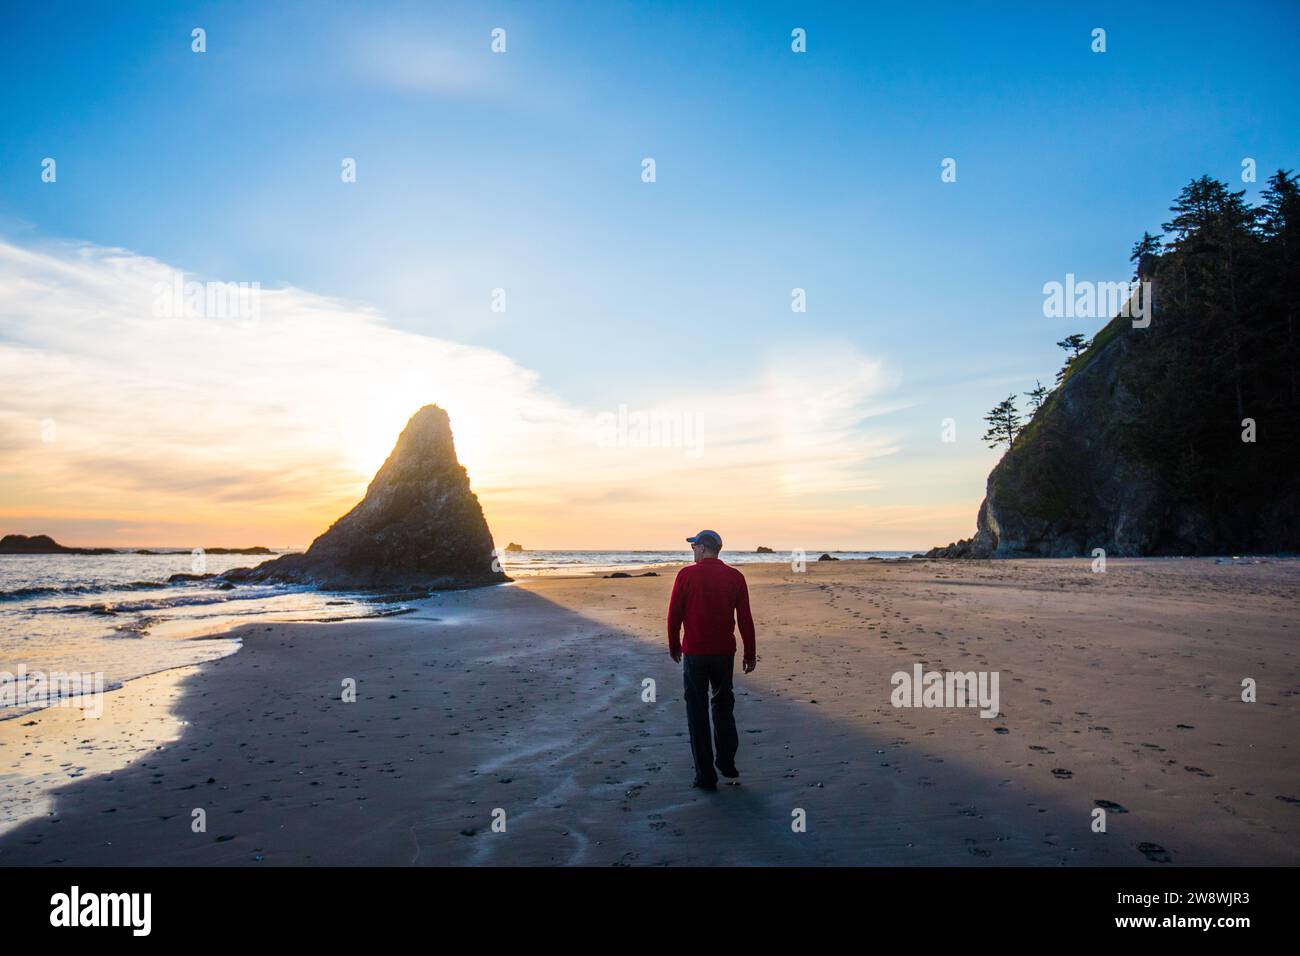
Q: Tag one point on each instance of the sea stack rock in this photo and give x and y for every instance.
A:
(418, 526)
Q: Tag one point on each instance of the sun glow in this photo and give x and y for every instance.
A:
(324, 389)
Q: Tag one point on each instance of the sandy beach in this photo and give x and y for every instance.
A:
(1120, 690)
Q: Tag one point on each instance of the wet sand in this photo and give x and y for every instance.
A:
(526, 703)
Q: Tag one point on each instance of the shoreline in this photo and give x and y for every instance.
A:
(528, 698)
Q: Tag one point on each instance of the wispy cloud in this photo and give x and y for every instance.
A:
(115, 415)
(412, 64)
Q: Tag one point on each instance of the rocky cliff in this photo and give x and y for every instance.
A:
(419, 525)
(1066, 486)
(1088, 471)
(1180, 438)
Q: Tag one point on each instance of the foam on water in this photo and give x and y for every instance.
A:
(116, 615)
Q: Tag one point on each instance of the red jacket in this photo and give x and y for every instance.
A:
(706, 595)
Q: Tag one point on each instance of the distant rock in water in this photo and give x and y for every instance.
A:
(763, 549)
(419, 525)
(514, 547)
(828, 557)
(42, 544)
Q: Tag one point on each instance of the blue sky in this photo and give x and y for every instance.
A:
(775, 170)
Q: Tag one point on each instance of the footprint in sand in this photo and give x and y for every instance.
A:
(1109, 806)
(1198, 771)
(1154, 852)
(1061, 774)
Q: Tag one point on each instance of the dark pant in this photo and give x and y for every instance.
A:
(699, 673)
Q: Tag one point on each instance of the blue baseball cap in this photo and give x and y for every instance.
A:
(707, 537)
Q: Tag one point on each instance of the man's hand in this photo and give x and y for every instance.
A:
(749, 664)
(677, 656)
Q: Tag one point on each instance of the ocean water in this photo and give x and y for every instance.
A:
(525, 563)
(114, 616)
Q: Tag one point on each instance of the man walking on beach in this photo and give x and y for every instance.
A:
(710, 598)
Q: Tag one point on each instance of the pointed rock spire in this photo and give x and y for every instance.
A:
(419, 525)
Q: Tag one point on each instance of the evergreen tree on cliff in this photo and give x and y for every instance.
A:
(1145, 250)
(1279, 226)
(1214, 237)
(1036, 395)
(1004, 422)
(1076, 345)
